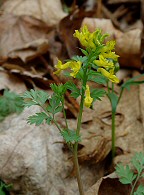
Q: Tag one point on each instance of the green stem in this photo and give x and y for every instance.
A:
(79, 181)
(75, 155)
(121, 92)
(133, 186)
(55, 122)
(113, 134)
(113, 128)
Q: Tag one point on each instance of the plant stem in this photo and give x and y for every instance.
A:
(133, 186)
(79, 181)
(55, 122)
(113, 134)
(75, 155)
(121, 92)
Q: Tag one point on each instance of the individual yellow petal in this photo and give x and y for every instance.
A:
(75, 67)
(88, 100)
(110, 45)
(110, 75)
(103, 62)
(61, 67)
(111, 55)
(87, 91)
(57, 72)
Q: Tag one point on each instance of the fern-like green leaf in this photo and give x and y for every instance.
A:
(39, 118)
(70, 136)
(35, 97)
(126, 176)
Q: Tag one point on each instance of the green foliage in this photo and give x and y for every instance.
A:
(125, 173)
(80, 58)
(73, 88)
(70, 136)
(39, 97)
(54, 105)
(10, 102)
(84, 52)
(97, 77)
(59, 90)
(138, 162)
(4, 188)
(96, 94)
(127, 176)
(35, 97)
(39, 118)
(114, 100)
(140, 190)
(133, 81)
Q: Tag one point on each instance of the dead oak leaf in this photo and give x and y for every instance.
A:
(48, 11)
(19, 37)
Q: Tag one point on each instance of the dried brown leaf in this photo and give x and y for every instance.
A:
(48, 11)
(19, 37)
(108, 185)
(33, 160)
(11, 82)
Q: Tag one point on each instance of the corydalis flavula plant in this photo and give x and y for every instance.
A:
(98, 65)
(128, 176)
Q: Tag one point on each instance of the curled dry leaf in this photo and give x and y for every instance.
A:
(48, 11)
(128, 44)
(19, 37)
(108, 185)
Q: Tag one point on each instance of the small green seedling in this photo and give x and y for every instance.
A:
(128, 176)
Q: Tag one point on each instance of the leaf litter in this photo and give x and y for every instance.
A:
(27, 58)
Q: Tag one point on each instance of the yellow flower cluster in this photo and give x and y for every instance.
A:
(75, 66)
(89, 40)
(106, 57)
(107, 68)
(88, 99)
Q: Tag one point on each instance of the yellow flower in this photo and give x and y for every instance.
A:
(89, 40)
(110, 45)
(103, 62)
(88, 100)
(111, 55)
(83, 35)
(61, 67)
(75, 67)
(110, 75)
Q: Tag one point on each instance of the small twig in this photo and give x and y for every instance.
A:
(99, 8)
(120, 12)
(110, 16)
